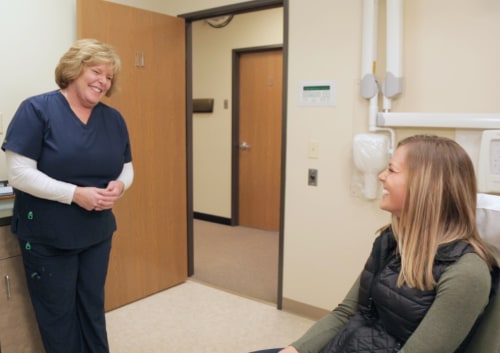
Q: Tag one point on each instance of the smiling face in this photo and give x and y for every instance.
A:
(92, 84)
(394, 180)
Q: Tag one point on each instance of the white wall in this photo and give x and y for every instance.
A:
(450, 64)
(33, 35)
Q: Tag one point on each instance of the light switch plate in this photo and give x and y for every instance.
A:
(313, 150)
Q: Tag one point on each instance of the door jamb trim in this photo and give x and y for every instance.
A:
(249, 6)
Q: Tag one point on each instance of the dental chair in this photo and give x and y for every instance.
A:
(486, 339)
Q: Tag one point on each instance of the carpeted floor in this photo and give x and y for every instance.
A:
(238, 259)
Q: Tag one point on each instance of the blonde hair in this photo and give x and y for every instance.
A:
(86, 52)
(439, 207)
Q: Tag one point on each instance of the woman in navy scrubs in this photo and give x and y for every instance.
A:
(69, 161)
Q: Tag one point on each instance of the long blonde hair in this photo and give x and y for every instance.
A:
(439, 207)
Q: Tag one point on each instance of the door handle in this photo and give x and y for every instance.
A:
(244, 146)
(7, 284)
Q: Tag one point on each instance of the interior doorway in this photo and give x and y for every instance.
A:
(223, 11)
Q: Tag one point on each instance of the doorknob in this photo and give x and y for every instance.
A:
(244, 146)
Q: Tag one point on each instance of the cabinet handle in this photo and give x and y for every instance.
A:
(7, 283)
(139, 59)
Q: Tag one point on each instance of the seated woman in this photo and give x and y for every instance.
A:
(429, 276)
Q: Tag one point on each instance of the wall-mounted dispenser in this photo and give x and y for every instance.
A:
(371, 155)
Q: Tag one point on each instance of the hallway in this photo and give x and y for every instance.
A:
(238, 259)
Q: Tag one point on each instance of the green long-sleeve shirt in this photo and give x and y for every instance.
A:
(461, 296)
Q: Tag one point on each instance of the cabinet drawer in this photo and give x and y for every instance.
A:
(18, 328)
(9, 245)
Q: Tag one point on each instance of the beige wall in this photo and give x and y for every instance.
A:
(325, 241)
(450, 65)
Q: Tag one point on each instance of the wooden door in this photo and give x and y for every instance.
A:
(150, 247)
(260, 120)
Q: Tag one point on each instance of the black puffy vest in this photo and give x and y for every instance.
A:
(388, 315)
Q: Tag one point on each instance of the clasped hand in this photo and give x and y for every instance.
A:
(98, 199)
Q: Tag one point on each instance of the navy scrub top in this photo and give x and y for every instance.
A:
(45, 129)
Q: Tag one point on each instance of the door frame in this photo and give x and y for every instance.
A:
(244, 7)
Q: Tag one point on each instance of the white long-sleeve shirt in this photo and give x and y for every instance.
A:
(24, 175)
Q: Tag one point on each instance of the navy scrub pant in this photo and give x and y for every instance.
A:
(67, 292)
(274, 350)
